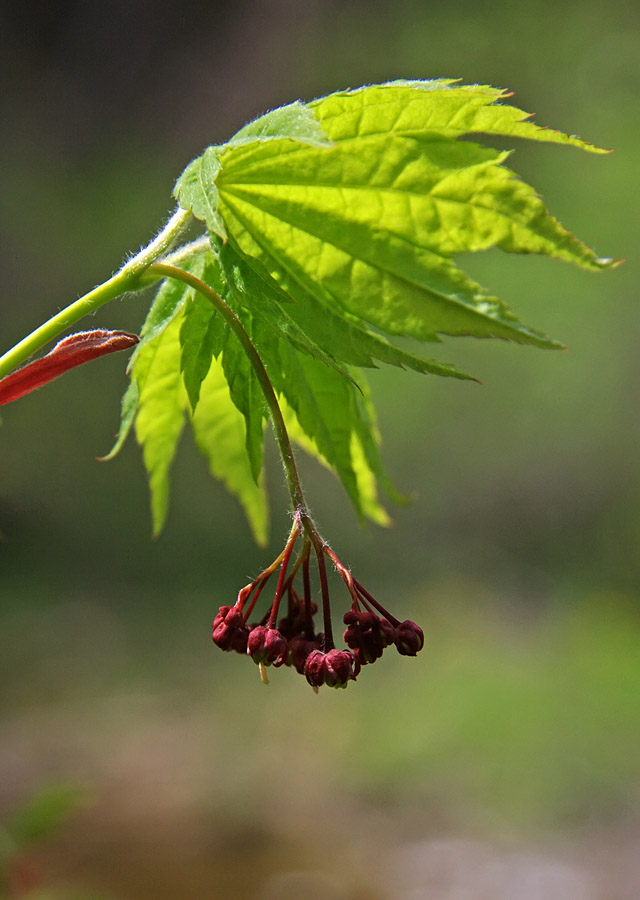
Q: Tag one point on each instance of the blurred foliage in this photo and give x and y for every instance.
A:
(39, 817)
(43, 813)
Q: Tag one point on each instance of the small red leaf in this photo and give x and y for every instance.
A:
(68, 353)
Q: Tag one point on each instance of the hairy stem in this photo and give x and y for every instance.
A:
(344, 573)
(128, 278)
(177, 257)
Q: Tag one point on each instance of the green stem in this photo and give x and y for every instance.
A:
(282, 437)
(177, 257)
(128, 278)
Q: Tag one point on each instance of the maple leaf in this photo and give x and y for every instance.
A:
(333, 230)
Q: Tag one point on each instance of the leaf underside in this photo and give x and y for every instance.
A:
(334, 227)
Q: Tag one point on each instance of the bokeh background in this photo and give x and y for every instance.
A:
(503, 762)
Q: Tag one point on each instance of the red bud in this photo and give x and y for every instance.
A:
(266, 645)
(409, 638)
(69, 352)
(335, 668)
(229, 630)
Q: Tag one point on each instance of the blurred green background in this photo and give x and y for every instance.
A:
(501, 763)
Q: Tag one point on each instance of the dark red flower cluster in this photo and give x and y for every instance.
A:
(291, 639)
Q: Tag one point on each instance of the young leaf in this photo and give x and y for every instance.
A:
(202, 336)
(219, 432)
(196, 190)
(160, 416)
(218, 425)
(324, 332)
(128, 410)
(365, 477)
(167, 304)
(296, 121)
(247, 282)
(371, 229)
(175, 367)
(205, 335)
(322, 392)
(247, 395)
(442, 106)
(334, 225)
(170, 299)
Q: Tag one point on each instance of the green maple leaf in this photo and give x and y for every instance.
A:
(334, 227)
(168, 369)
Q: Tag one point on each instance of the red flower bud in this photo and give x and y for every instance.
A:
(266, 645)
(295, 621)
(409, 638)
(335, 668)
(367, 635)
(229, 630)
(299, 650)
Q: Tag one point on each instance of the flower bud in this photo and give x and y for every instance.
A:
(335, 668)
(71, 351)
(367, 635)
(299, 650)
(229, 629)
(409, 638)
(295, 622)
(266, 645)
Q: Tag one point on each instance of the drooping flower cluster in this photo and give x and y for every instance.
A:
(286, 634)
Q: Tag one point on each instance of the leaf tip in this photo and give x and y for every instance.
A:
(607, 262)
